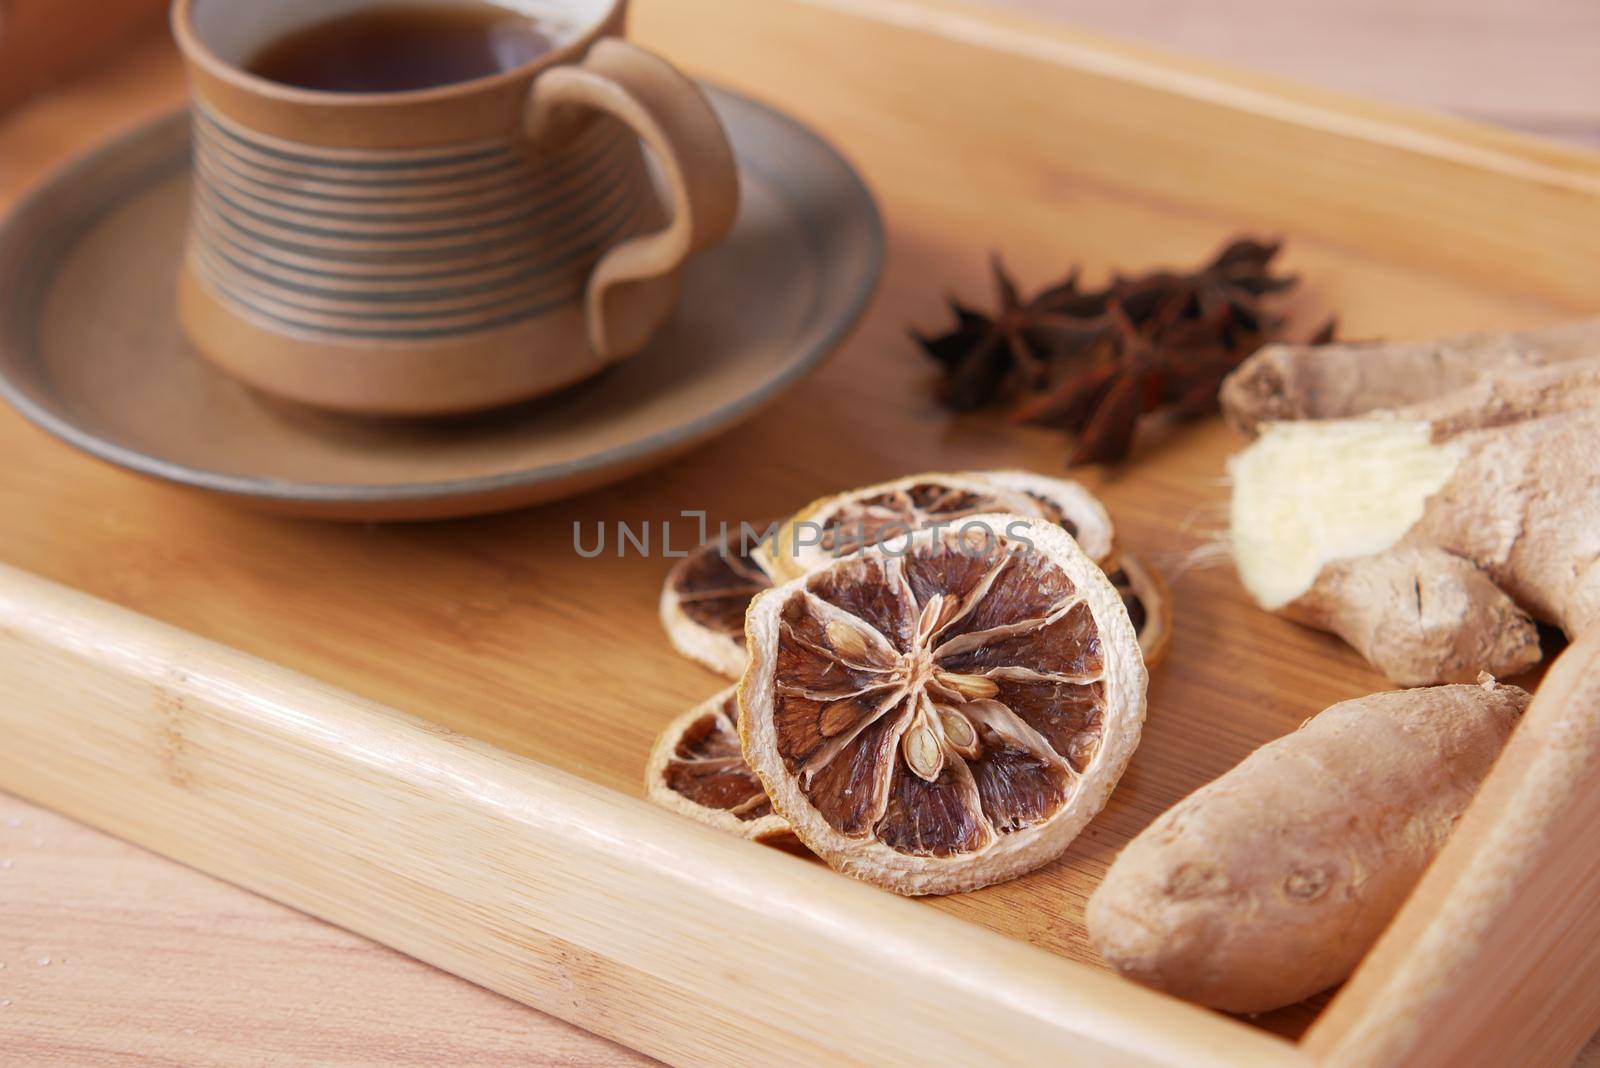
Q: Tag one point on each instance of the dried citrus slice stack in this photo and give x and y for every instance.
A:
(704, 599)
(945, 712)
(833, 526)
(698, 769)
(706, 735)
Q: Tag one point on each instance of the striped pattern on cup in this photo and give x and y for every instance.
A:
(408, 246)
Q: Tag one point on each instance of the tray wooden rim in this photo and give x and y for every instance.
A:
(238, 761)
(1439, 134)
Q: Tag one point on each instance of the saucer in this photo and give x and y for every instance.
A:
(90, 347)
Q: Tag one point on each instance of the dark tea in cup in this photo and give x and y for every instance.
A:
(389, 48)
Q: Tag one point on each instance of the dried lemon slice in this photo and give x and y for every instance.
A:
(704, 599)
(698, 769)
(945, 713)
(705, 595)
(1066, 503)
(1149, 603)
(833, 526)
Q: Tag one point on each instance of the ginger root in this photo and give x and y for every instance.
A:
(1337, 381)
(1430, 531)
(1271, 883)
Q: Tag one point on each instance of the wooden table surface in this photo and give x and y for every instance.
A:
(108, 952)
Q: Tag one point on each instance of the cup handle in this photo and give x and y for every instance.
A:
(634, 286)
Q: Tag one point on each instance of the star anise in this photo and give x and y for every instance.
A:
(1024, 337)
(1094, 362)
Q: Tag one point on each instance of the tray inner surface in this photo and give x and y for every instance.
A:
(497, 628)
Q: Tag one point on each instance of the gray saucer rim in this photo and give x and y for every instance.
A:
(667, 442)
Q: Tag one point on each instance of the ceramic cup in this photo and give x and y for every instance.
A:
(440, 250)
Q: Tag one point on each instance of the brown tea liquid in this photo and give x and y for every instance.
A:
(392, 48)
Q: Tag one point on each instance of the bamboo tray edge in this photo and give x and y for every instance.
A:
(599, 908)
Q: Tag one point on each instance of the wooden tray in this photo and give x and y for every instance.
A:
(492, 825)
